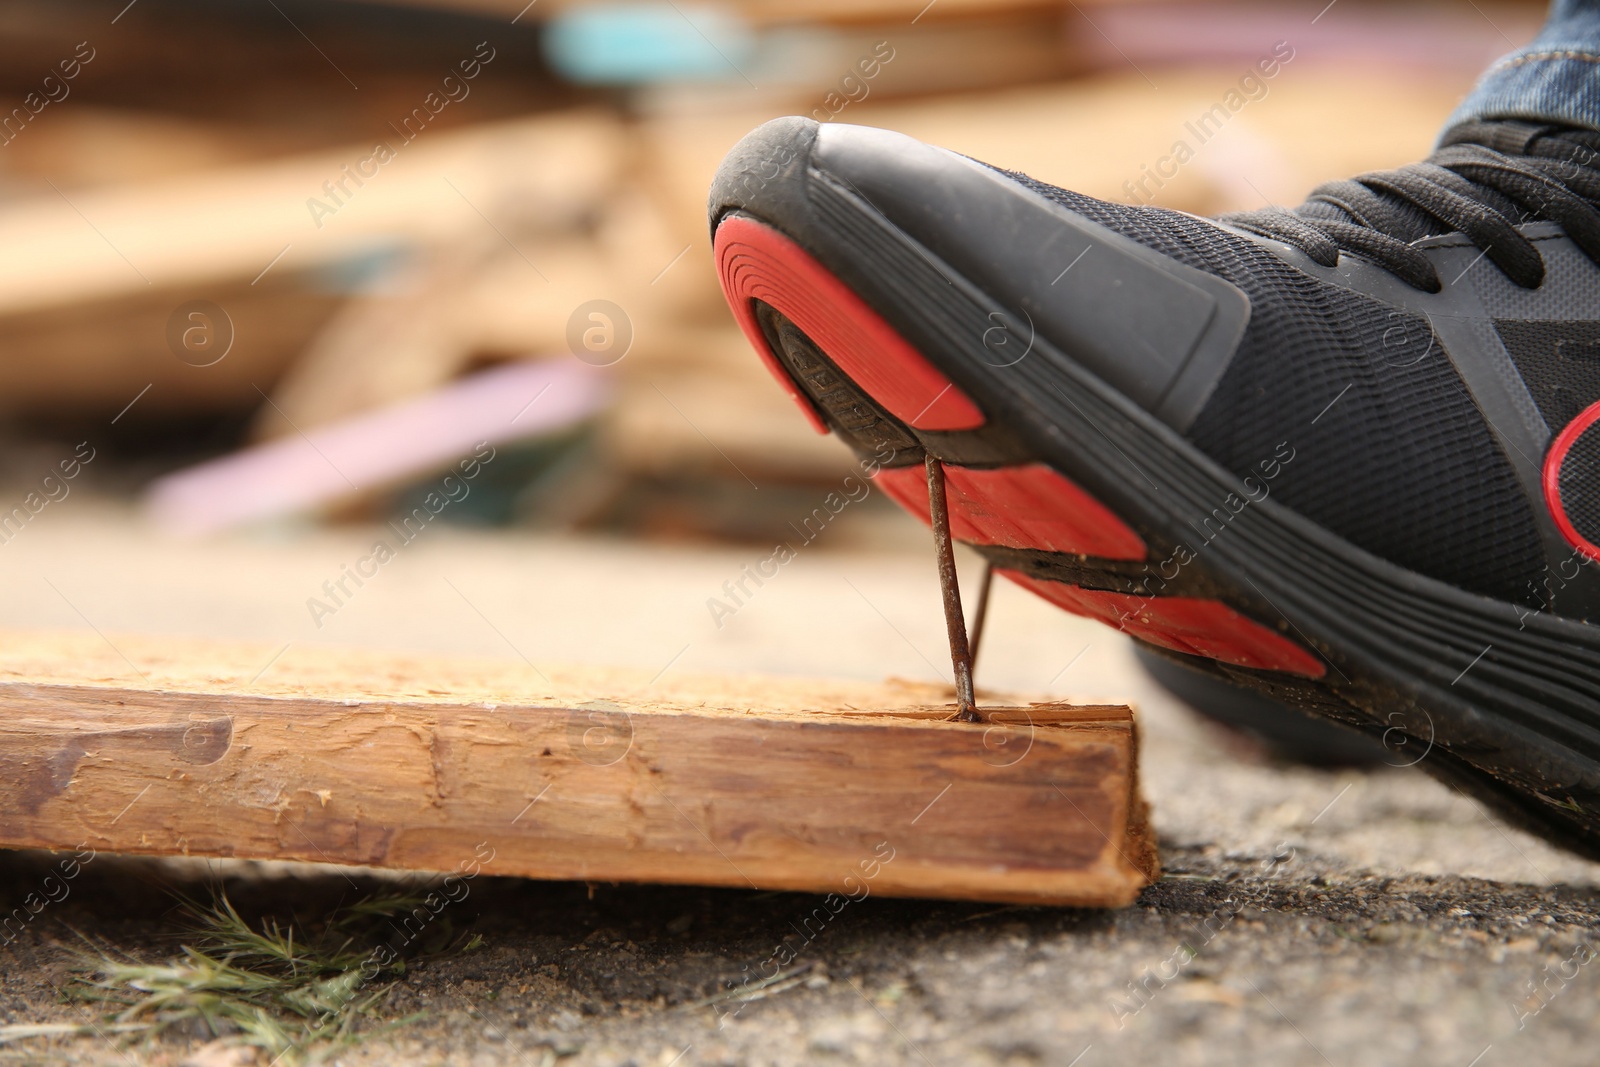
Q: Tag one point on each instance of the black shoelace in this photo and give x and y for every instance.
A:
(1485, 180)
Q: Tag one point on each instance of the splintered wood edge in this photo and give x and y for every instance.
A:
(378, 759)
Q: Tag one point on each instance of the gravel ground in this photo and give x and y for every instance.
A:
(1305, 916)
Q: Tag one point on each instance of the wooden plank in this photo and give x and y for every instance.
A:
(179, 747)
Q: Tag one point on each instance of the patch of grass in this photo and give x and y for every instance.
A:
(294, 993)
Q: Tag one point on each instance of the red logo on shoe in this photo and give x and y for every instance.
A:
(1572, 482)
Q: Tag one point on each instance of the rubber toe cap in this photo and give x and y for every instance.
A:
(1158, 331)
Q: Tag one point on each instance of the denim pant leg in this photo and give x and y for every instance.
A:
(1554, 79)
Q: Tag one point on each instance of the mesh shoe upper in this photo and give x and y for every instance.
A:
(1402, 464)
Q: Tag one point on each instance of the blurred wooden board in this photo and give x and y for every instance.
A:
(762, 12)
(253, 69)
(178, 747)
(541, 174)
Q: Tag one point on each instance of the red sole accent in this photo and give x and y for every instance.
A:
(756, 262)
(1207, 628)
(1018, 507)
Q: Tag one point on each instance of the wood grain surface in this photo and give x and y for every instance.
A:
(174, 746)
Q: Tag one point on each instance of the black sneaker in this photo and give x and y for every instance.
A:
(1276, 730)
(1348, 455)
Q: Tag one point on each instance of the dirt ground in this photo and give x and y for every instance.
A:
(1305, 917)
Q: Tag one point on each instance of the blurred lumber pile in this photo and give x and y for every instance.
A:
(187, 162)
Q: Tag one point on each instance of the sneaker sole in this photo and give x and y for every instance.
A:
(1080, 495)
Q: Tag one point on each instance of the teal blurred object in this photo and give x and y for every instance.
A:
(633, 43)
